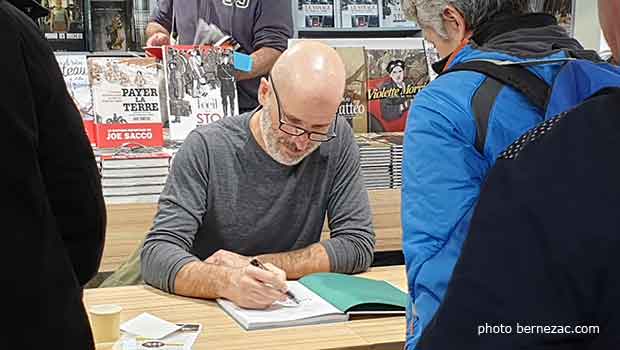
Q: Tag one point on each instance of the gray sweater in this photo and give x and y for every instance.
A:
(225, 192)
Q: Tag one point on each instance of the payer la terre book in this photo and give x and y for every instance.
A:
(324, 298)
(126, 101)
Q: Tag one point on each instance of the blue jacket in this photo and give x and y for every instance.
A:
(443, 171)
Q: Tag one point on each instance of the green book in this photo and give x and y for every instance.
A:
(323, 298)
(352, 294)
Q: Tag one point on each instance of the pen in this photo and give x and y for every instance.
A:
(257, 263)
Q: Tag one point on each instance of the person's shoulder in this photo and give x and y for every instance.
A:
(593, 123)
(9, 17)
(343, 140)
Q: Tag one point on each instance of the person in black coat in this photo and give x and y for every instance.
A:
(539, 268)
(53, 214)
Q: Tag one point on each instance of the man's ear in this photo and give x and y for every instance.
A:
(264, 90)
(455, 23)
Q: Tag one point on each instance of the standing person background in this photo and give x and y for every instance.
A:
(53, 215)
(542, 249)
(262, 28)
(449, 146)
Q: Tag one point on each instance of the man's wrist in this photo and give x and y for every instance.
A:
(224, 286)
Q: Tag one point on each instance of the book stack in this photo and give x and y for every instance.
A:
(397, 159)
(98, 159)
(375, 159)
(134, 178)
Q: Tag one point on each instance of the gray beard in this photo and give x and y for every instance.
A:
(271, 142)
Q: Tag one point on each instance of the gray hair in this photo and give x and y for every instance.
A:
(428, 13)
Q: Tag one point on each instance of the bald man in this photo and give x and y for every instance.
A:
(259, 185)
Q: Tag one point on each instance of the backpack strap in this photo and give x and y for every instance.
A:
(498, 75)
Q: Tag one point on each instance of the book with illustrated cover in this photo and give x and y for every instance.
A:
(359, 13)
(392, 15)
(111, 25)
(200, 86)
(396, 73)
(354, 103)
(391, 72)
(432, 56)
(74, 69)
(315, 13)
(323, 298)
(126, 101)
(64, 27)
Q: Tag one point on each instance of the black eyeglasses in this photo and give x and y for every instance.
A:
(294, 130)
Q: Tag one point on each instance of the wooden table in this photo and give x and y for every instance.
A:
(129, 223)
(222, 333)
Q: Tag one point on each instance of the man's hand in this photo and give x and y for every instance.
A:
(253, 288)
(228, 258)
(158, 39)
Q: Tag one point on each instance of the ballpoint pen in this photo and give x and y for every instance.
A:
(257, 263)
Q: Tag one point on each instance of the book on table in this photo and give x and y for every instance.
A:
(324, 298)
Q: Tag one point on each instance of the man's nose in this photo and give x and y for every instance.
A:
(301, 142)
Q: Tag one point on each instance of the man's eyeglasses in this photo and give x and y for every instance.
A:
(294, 130)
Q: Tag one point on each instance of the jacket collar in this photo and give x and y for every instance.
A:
(505, 24)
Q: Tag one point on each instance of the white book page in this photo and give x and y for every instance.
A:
(311, 306)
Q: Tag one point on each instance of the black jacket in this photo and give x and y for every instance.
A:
(53, 215)
(544, 244)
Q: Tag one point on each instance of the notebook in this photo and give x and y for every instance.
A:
(324, 298)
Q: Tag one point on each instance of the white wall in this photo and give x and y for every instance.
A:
(587, 28)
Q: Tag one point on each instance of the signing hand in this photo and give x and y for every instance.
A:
(228, 258)
(253, 288)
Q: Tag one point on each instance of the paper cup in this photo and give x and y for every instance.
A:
(105, 320)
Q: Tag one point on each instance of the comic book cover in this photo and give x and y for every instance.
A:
(126, 101)
(112, 28)
(354, 103)
(75, 71)
(392, 15)
(315, 13)
(359, 13)
(432, 56)
(64, 26)
(200, 86)
(395, 76)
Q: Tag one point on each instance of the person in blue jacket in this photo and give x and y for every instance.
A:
(443, 170)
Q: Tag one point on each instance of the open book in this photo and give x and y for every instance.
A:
(324, 298)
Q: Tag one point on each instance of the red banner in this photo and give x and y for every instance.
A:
(115, 135)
